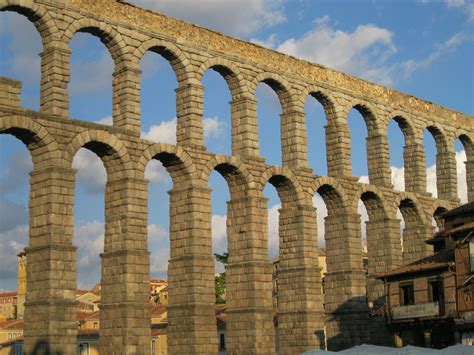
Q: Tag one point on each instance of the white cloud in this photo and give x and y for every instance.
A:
(156, 232)
(234, 17)
(398, 178)
(12, 241)
(159, 263)
(213, 127)
(365, 52)
(156, 173)
(321, 214)
(91, 172)
(273, 231)
(165, 132)
(89, 239)
(108, 120)
(362, 52)
(461, 175)
(219, 234)
(408, 67)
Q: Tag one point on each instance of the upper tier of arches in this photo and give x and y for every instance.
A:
(127, 47)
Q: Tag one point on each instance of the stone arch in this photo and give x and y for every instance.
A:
(368, 112)
(439, 136)
(373, 200)
(279, 85)
(43, 147)
(437, 209)
(323, 97)
(404, 122)
(232, 170)
(177, 58)
(229, 71)
(467, 143)
(109, 36)
(408, 200)
(108, 148)
(285, 182)
(36, 14)
(333, 184)
(175, 159)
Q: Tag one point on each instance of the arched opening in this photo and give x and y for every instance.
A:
(90, 84)
(437, 220)
(397, 132)
(20, 60)
(217, 122)
(158, 96)
(268, 112)
(158, 237)
(415, 233)
(356, 121)
(461, 147)
(430, 145)
(89, 224)
(315, 132)
(15, 164)
(219, 199)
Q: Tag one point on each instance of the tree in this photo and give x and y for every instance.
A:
(220, 279)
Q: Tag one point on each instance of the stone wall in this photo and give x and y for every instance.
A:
(53, 138)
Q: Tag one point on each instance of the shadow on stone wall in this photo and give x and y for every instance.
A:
(42, 347)
(353, 323)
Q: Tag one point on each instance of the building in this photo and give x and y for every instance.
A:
(8, 305)
(429, 302)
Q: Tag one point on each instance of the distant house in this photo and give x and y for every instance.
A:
(429, 302)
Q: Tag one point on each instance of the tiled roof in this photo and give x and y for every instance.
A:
(7, 294)
(466, 208)
(158, 310)
(442, 259)
(464, 228)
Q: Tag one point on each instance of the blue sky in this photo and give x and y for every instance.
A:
(424, 48)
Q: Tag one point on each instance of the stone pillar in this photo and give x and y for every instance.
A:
(244, 127)
(378, 160)
(250, 327)
(10, 92)
(293, 139)
(189, 110)
(414, 237)
(126, 98)
(338, 150)
(50, 322)
(300, 301)
(384, 252)
(191, 310)
(446, 176)
(54, 98)
(415, 167)
(345, 282)
(124, 308)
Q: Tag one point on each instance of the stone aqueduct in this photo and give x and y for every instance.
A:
(53, 139)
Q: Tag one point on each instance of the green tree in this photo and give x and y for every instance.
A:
(220, 279)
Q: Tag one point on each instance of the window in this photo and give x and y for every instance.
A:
(153, 347)
(435, 290)
(407, 294)
(221, 341)
(18, 349)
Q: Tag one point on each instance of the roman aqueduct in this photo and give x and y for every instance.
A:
(53, 139)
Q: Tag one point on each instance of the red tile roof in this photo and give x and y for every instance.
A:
(442, 259)
(7, 294)
(15, 324)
